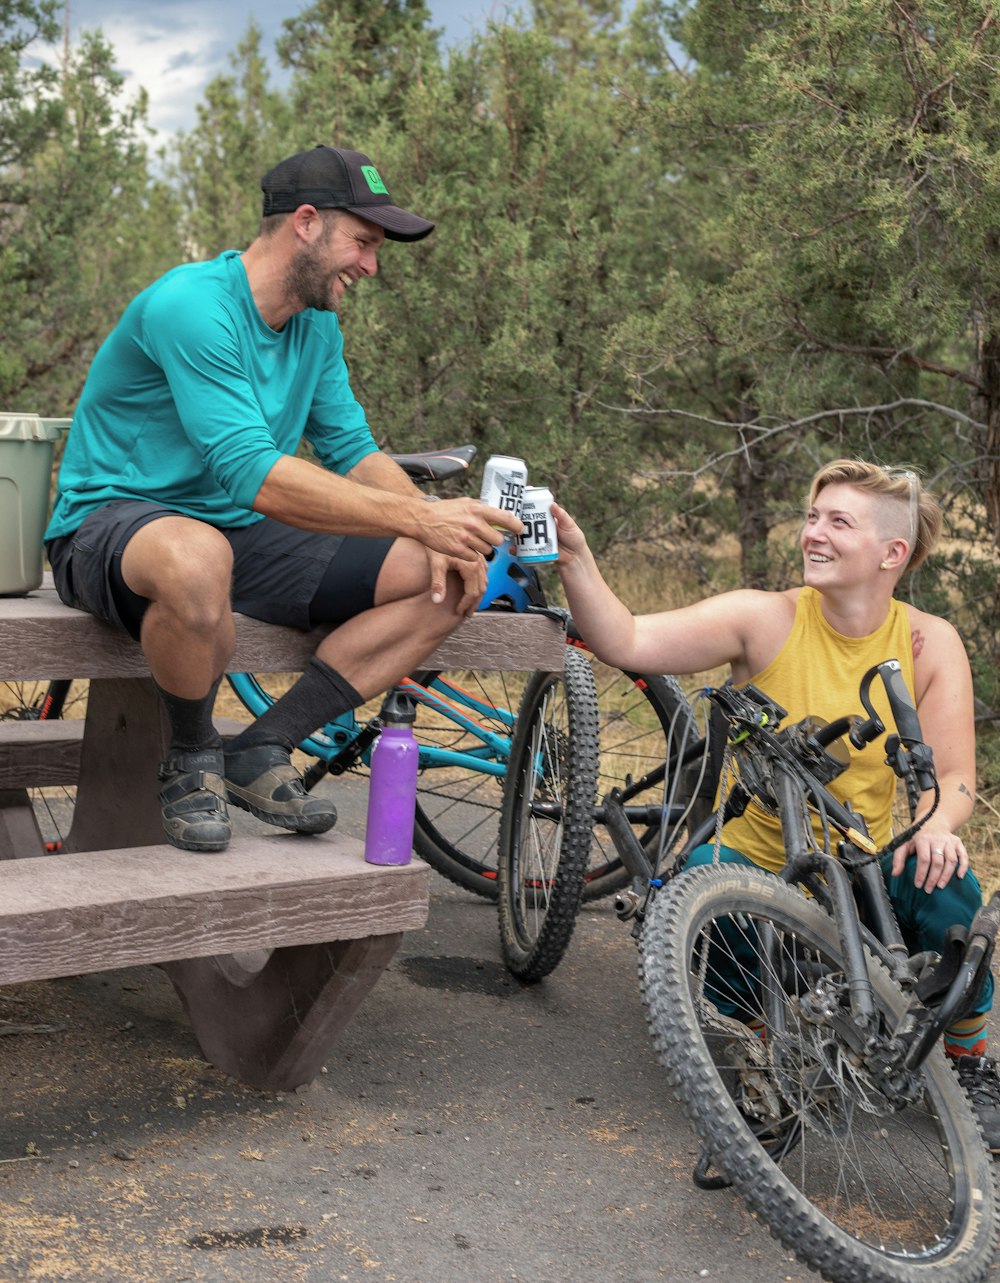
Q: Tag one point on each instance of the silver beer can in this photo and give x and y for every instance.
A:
(504, 479)
(538, 541)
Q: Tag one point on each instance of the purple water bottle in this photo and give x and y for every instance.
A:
(392, 791)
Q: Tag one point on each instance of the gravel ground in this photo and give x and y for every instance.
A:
(466, 1129)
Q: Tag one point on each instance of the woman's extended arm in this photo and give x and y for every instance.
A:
(692, 639)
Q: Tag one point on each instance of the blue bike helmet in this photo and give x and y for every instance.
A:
(509, 583)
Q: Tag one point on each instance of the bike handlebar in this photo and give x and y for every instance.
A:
(904, 714)
(753, 714)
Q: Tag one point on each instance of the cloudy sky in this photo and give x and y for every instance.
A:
(175, 47)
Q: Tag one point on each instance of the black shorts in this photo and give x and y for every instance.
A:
(281, 574)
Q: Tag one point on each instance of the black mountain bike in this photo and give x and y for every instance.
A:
(797, 1031)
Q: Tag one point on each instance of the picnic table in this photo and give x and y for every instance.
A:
(272, 945)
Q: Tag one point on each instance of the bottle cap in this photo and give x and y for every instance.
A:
(398, 708)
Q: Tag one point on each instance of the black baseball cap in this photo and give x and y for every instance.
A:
(334, 178)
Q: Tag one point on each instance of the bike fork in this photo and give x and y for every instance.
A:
(968, 980)
(800, 862)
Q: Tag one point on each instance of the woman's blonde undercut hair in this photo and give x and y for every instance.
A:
(901, 486)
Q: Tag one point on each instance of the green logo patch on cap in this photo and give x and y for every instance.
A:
(374, 180)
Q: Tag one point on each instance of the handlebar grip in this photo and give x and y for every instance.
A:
(904, 714)
(900, 701)
(825, 735)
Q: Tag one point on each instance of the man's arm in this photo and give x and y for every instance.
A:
(384, 473)
(301, 494)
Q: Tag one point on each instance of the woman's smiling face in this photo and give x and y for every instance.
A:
(841, 539)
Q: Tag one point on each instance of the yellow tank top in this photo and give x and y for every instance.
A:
(818, 672)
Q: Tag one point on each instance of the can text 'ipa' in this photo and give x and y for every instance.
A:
(538, 541)
(504, 480)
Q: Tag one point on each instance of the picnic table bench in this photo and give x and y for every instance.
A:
(271, 945)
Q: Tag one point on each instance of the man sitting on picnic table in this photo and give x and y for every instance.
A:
(182, 498)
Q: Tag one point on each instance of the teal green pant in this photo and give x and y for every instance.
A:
(923, 920)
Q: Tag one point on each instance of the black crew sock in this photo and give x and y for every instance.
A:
(319, 695)
(191, 725)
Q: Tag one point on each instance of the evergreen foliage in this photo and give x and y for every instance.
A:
(83, 223)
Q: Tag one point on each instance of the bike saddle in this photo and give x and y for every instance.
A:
(436, 465)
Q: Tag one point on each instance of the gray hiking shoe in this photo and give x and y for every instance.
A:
(193, 801)
(263, 781)
(978, 1076)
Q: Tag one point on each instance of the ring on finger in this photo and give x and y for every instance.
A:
(938, 850)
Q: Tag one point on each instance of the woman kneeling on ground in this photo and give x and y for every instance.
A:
(808, 649)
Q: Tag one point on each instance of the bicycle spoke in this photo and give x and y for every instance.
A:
(43, 700)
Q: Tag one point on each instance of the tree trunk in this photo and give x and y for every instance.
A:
(750, 491)
(988, 411)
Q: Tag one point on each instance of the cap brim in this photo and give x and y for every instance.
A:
(398, 224)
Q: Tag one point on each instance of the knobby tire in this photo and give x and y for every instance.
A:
(546, 818)
(864, 1193)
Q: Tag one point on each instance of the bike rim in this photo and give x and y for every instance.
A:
(47, 701)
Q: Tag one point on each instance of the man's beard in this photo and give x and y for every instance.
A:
(309, 281)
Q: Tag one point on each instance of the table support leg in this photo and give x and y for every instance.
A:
(273, 1023)
(124, 738)
(20, 835)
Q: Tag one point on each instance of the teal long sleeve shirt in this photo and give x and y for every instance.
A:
(193, 398)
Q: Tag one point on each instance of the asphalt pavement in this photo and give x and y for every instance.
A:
(466, 1130)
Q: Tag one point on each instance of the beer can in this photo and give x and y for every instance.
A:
(504, 479)
(538, 541)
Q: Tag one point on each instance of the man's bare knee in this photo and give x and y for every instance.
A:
(404, 573)
(175, 558)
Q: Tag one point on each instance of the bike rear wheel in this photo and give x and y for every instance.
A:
(458, 809)
(547, 816)
(644, 723)
(33, 701)
(859, 1189)
(457, 822)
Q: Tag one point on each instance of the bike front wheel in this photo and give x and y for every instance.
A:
(744, 982)
(546, 818)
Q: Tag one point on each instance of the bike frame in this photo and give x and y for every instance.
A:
(338, 739)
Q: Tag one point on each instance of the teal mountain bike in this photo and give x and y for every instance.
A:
(466, 728)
